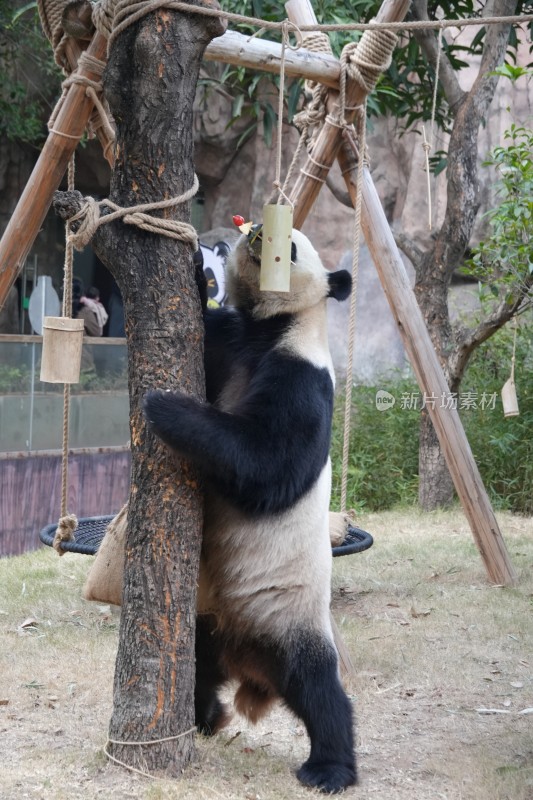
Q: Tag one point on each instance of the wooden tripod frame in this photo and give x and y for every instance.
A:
(37, 196)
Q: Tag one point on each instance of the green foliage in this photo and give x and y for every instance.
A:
(503, 262)
(405, 91)
(17, 380)
(503, 447)
(383, 456)
(26, 64)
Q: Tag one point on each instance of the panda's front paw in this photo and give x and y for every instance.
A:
(169, 414)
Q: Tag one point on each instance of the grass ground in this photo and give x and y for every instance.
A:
(443, 690)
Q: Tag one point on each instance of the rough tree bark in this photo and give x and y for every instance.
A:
(150, 83)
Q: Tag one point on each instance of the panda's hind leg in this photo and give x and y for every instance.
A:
(210, 713)
(314, 693)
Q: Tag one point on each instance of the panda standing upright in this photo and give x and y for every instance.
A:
(262, 445)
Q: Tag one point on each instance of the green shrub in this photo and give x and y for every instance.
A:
(383, 455)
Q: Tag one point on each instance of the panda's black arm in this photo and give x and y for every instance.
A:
(265, 457)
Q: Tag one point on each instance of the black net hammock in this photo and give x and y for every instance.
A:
(91, 531)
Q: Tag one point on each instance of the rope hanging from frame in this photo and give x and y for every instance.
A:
(67, 522)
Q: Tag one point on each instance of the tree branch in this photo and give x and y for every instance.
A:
(338, 193)
(429, 45)
(467, 339)
(462, 171)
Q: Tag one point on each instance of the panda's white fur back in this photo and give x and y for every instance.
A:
(265, 576)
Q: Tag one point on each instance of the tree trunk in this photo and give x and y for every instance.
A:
(150, 83)
(435, 485)
(435, 268)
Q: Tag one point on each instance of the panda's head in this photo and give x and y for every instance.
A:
(311, 283)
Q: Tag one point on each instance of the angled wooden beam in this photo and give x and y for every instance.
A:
(33, 205)
(413, 332)
(430, 376)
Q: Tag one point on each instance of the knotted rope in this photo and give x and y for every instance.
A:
(141, 744)
(67, 522)
(92, 218)
(101, 116)
(51, 14)
(314, 112)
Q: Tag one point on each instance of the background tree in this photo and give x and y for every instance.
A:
(406, 91)
(435, 265)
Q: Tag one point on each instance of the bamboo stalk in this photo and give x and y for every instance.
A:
(51, 165)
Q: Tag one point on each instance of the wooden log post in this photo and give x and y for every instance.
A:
(51, 165)
(432, 382)
(329, 140)
(415, 337)
(235, 48)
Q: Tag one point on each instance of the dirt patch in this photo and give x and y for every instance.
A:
(442, 691)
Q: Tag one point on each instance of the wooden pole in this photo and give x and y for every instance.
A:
(329, 140)
(413, 332)
(431, 380)
(236, 48)
(51, 165)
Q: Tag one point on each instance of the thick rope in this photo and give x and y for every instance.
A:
(67, 522)
(353, 298)
(51, 14)
(92, 218)
(369, 57)
(111, 17)
(141, 744)
(101, 116)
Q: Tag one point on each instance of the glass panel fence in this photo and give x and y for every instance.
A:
(31, 412)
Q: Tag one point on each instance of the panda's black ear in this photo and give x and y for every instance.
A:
(340, 284)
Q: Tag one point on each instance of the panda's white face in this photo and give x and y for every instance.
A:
(309, 279)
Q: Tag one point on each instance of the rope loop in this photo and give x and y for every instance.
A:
(366, 59)
(92, 218)
(101, 116)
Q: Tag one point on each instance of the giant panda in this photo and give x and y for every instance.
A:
(261, 443)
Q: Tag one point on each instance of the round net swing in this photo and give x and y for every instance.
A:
(91, 531)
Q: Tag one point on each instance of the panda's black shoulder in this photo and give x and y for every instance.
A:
(223, 341)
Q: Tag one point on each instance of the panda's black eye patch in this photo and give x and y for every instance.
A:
(294, 252)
